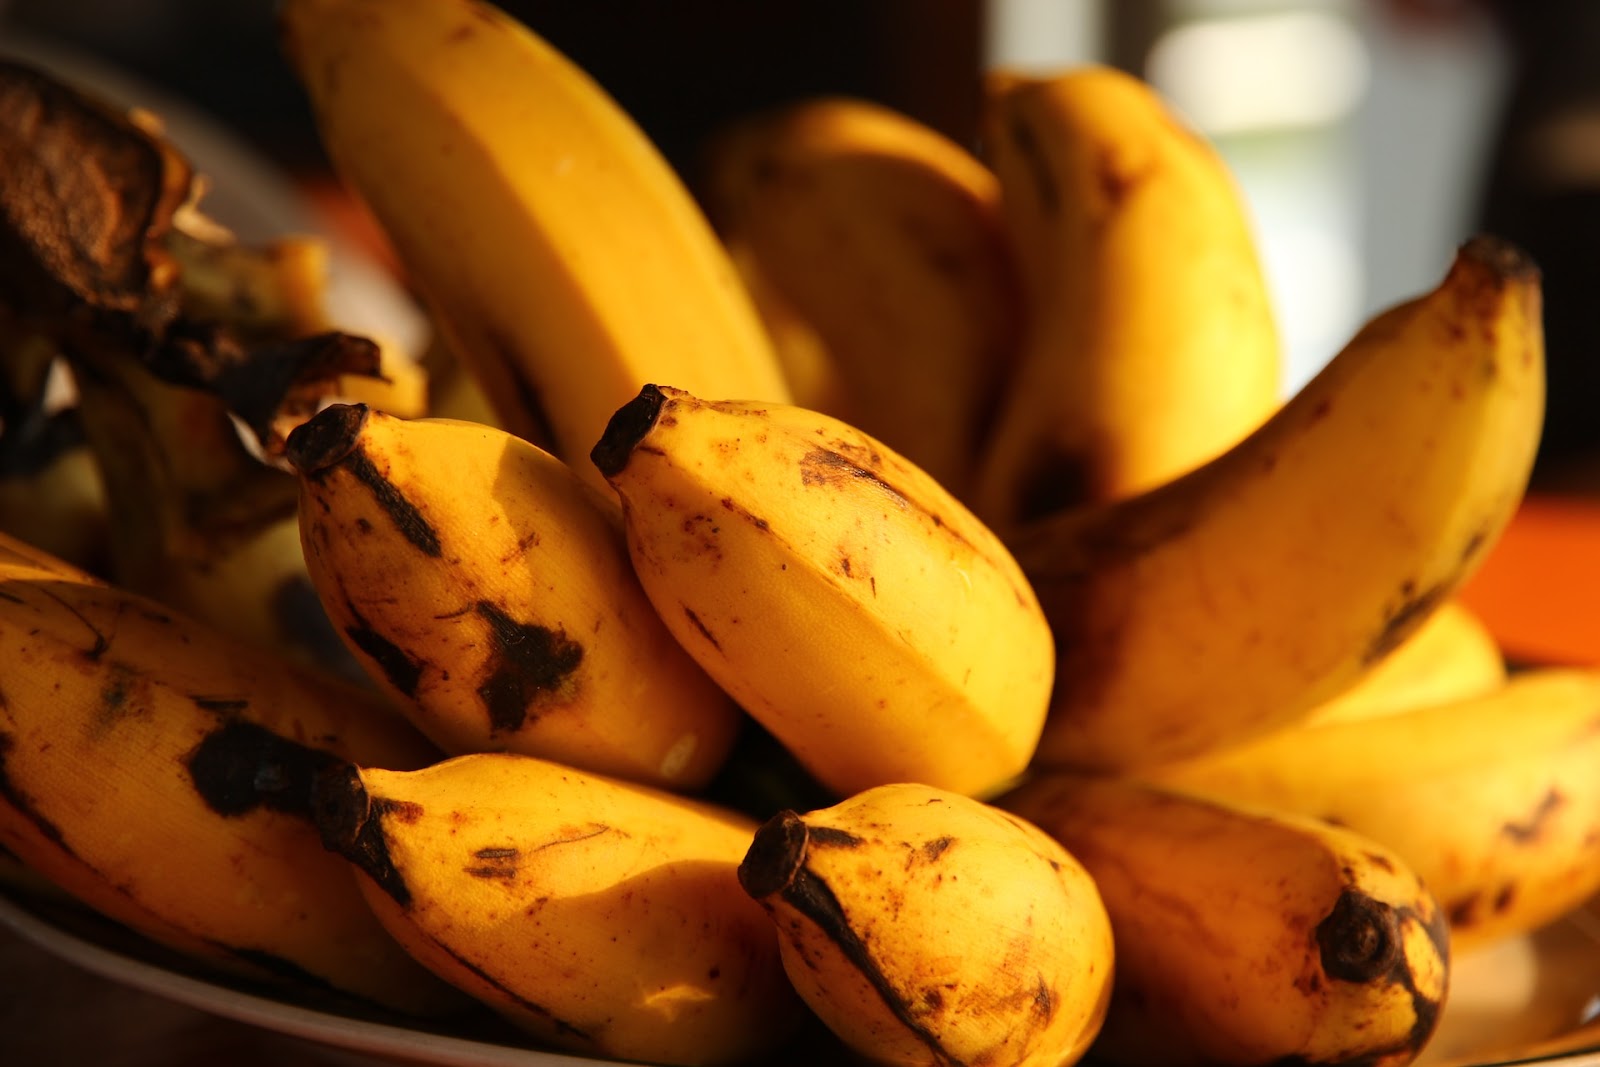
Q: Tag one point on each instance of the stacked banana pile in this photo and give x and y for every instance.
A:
(879, 598)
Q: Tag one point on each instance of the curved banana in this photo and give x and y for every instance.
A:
(551, 242)
(1492, 799)
(925, 927)
(489, 590)
(887, 238)
(602, 917)
(1151, 343)
(1452, 655)
(843, 597)
(1237, 598)
(1244, 937)
(161, 775)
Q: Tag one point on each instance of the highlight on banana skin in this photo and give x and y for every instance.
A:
(866, 601)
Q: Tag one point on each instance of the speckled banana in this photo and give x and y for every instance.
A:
(925, 927)
(161, 775)
(488, 589)
(602, 917)
(887, 238)
(551, 242)
(1239, 597)
(1492, 799)
(1152, 344)
(1452, 655)
(843, 597)
(1246, 937)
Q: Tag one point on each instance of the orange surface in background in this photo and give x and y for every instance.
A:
(1539, 588)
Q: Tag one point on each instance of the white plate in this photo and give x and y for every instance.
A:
(1524, 1001)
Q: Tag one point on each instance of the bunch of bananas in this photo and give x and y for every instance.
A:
(881, 598)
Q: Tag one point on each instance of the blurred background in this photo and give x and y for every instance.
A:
(1370, 136)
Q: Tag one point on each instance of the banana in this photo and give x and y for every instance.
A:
(1245, 937)
(1450, 656)
(488, 589)
(888, 239)
(1492, 799)
(1242, 595)
(843, 597)
(552, 243)
(602, 917)
(925, 927)
(161, 774)
(809, 369)
(1152, 344)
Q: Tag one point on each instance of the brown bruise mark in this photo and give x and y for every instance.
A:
(695, 621)
(402, 672)
(832, 837)
(1529, 830)
(825, 466)
(22, 803)
(405, 515)
(932, 850)
(774, 866)
(577, 834)
(527, 663)
(350, 821)
(241, 766)
(495, 864)
(1403, 620)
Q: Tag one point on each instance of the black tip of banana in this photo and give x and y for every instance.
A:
(325, 438)
(776, 853)
(626, 429)
(347, 817)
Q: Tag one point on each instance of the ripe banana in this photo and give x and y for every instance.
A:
(888, 239)
(488, 589)
(553, 245)
(1151, 344)
(843, 597)
(161, 775)
(1244, 937)
(1492, 799)
(925, 927)
(602, 917)
(1452, 655)
(1237, 598)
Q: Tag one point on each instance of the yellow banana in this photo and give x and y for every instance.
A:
(888, 239)
(1240, 596)
(1450, 656)
(489, 590)
(925, 927)
(553, 244)
(1244, 937)
(1492, 799)
(161, 775)
(602, 917)
(1151, 343)
(843, 597)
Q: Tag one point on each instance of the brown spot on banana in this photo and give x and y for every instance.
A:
(1529, 829)
(705, 632)
(241, 766)
(825, 466)
(774, 865)
(403, 672)
(332, 438)
(23, 804)
(494, 864)
(1403, 620)
(350, 821)
(527, 663)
